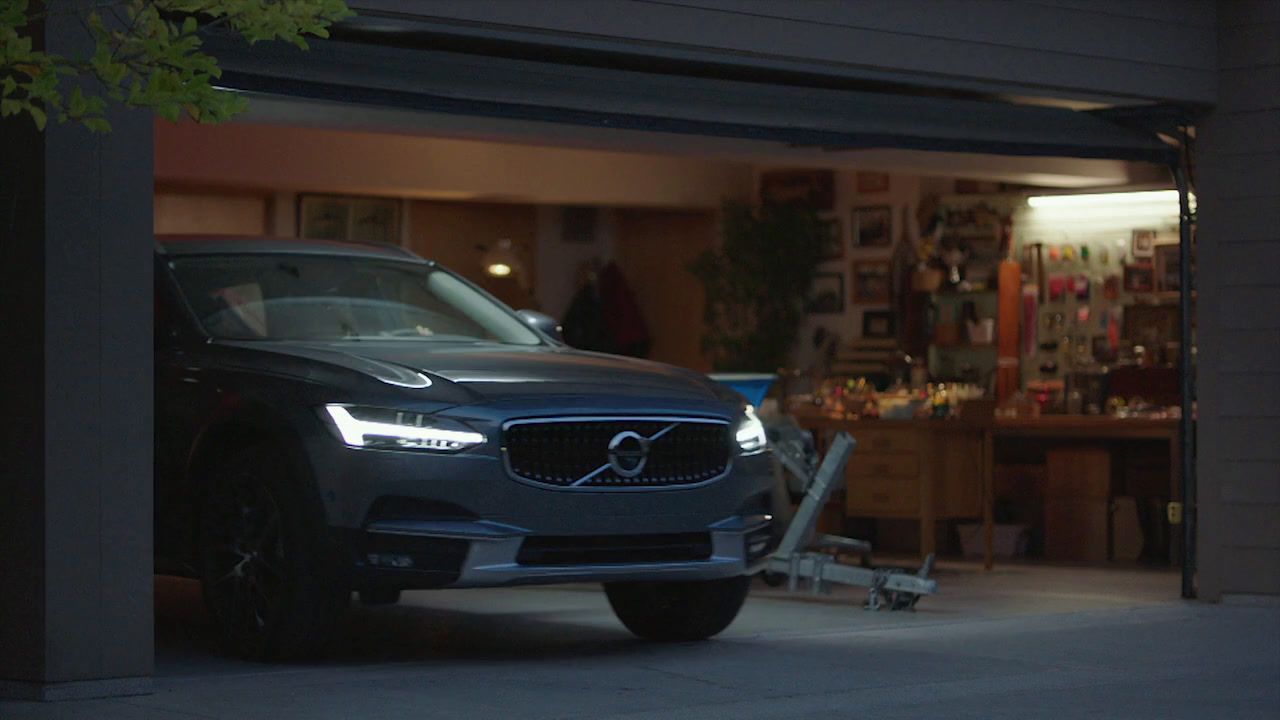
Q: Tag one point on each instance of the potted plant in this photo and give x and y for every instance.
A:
(757, 283)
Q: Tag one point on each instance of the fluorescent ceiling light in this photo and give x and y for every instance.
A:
(1096, 199)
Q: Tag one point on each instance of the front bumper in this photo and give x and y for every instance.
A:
(417, 520)
(480, 553)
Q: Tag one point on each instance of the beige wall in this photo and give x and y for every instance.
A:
(458, 196)
(1238, 236)
(265, 157)
(456, 234)
(653, 250)
(219, 213)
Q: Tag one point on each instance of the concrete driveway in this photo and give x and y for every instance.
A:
(1020, 642)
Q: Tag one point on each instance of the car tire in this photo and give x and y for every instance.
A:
(678, 611)
(262, 568)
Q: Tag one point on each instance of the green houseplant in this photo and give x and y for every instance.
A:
(757, 282)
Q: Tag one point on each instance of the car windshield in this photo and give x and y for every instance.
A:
(317, 297)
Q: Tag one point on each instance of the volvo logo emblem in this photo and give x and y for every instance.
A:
(628, 452)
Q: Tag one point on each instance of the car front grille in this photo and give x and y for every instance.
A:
(575, 453)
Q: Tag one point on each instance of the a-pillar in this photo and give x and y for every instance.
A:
(75, 403)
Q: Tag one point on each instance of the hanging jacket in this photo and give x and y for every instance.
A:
(626, 326)
(583, 325)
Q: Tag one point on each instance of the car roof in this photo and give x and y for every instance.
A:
(180, 245)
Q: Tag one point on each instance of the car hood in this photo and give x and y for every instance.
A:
(488, 371)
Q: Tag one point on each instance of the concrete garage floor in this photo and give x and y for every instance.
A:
(1020, 642)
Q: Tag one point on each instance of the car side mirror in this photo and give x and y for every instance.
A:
(543, 323)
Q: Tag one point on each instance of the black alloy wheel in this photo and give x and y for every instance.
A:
(261, 561)
(243, 552)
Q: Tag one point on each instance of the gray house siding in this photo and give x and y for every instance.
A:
(1239, 309)
(1106, 50)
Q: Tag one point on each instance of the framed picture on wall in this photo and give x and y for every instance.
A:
(879, 324)
(1140, 278)
(871, 282)
(1142, 243)
(872, 226)
(814, 188)
(349, 218)
(827, 295)
(832, 238)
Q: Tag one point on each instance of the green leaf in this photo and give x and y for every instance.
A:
(76, 102)
(38, 115)
(152, 60)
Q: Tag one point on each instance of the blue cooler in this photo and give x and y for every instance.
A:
(752, 386)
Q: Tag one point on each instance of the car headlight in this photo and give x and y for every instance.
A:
(386, 429)
(750, 434)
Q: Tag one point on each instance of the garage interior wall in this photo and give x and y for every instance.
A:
(1238, 253)
(179, 211)
(456, 234)
(461, 196)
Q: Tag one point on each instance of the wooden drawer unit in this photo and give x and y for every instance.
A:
(918, 469)
(873, 442)
(871, 497)
(905, 466)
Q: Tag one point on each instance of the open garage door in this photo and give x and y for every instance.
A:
(389, 79)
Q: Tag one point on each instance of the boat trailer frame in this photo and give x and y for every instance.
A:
(805, 554)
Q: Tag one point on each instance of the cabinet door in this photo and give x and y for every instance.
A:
(880, 497)
(903, 466)
(1078, 473)
(886, 440)
(958, 462)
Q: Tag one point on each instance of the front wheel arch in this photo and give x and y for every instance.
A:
(253, 427)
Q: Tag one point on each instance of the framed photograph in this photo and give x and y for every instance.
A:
(814, 188)
(349, 218)
(1143, 243)
(827, 294)
(872, 182)
(833, 238)
(1168, 268)
(323, 217)
(872, 226)
(879, 324)
(1151, 325)
(1140, 278)
(872, 280)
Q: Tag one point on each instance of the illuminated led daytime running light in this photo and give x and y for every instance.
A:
(371, 433)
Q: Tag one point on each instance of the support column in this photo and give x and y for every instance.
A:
(76, 244)
(1237, 174)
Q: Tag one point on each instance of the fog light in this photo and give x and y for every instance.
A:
(389, 560)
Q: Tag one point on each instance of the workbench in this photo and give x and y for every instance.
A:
(1061, 434)
(938, 469)
(924, 470)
